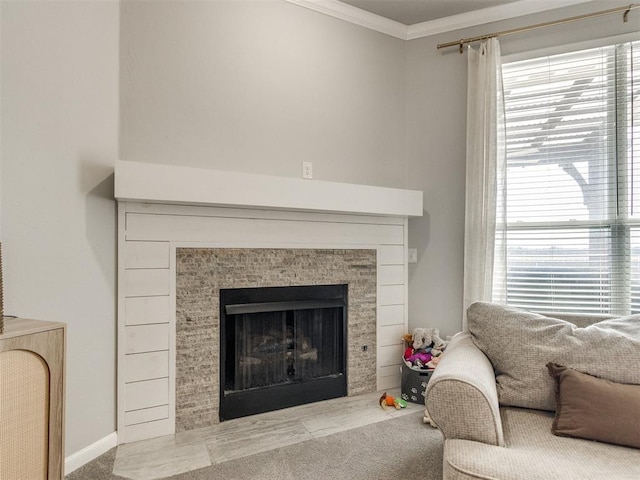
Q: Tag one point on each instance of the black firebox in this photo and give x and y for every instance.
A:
(281, 347)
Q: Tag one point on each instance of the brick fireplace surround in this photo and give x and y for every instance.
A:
(201, 272)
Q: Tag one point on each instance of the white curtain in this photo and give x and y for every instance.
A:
(484, 209)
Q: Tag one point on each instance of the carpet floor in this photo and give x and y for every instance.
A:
(401, 447)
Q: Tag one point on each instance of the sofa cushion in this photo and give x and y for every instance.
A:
(519, 344)
(595, 408)
(534, 453)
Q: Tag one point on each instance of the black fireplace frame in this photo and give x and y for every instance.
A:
(262, 299)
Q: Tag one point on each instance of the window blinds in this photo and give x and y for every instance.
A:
(573, 181)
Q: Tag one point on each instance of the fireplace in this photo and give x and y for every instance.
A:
(202, 273)
(281, 347)
(185, 233)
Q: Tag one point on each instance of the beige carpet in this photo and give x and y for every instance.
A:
(398, 448)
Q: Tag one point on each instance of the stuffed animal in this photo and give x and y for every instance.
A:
(437, 351)
(389, 401)
(433, 363)
(424, 337)
(418, 358)
(425, 345)
(426, 418)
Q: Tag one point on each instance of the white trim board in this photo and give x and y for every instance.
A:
(357, 16)
(156, 183)
(91, 452)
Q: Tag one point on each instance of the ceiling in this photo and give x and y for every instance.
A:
(411, 19)
(410, 12)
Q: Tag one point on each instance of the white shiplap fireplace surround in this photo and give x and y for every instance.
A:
(162, 208)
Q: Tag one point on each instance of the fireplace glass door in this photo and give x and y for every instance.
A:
(283, 346)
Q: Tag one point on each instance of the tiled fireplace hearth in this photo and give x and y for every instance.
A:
(202, 272)
(182, 237)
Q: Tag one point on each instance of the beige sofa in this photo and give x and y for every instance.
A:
(485, 439)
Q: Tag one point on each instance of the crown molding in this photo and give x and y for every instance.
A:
(354, 15)
(357, 16)
(486, 15)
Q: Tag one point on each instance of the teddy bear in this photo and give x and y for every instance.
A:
(424, 337)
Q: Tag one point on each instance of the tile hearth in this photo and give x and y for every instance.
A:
(190, 450)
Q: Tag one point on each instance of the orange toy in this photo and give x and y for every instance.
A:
(389, 401)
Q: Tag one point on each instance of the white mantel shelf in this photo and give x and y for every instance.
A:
(169, 184)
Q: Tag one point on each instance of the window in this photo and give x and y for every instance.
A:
(573, 181)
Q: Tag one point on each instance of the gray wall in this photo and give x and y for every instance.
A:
(246, 86)
(259, 87)
(59, 91)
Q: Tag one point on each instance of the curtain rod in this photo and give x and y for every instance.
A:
(464, 41)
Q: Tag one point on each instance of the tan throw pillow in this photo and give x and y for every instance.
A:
(519, 344)
(595, 408)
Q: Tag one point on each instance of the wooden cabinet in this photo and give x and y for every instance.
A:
(32, 374)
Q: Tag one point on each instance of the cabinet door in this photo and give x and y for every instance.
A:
(24, 415)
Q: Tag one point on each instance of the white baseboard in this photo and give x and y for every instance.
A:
(84, 456)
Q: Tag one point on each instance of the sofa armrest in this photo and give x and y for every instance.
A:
(461, 397)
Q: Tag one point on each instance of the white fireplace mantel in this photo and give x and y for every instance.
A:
(163, 208)
(155, 183)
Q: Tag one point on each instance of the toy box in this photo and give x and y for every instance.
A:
(414, 383)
